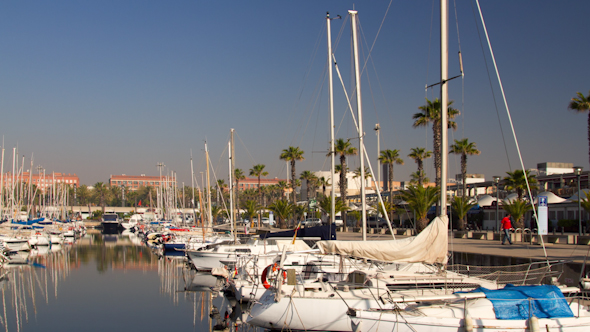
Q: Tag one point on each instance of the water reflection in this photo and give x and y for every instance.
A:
(105, 282)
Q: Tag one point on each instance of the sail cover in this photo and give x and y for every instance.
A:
(430, 246)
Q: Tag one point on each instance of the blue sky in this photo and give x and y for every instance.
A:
(115, 87)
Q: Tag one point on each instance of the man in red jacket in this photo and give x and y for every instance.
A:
(506, 227)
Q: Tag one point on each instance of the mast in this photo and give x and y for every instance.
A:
(231, 189)
(353, 14)
(193, 189)
(332, 153)
(2, 183)
(444, 96)
(235, 189)
(209, 216)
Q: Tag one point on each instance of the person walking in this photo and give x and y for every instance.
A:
(506, 227)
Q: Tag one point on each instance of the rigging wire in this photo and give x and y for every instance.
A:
(491, 88)
(511, 125)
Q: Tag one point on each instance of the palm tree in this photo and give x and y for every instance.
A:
(384, 209)
(582, 104)
(343, 149)
(418, 178)
(252, 209)
(430, 113)
(419, 154)
(464, 148)
(282, 186)
(516, 181)
(292, 154)
(100, 189)
(215, 211)
(282, 209)
(258, 171)
(326, 206)
(308, 177)
(324, 182)
(220, 184)
(517, 209)
(460, 207)
(390, 157)
(420, 200)
(83, 194)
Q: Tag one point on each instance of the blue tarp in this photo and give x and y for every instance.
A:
(512, 302)
(28, 222)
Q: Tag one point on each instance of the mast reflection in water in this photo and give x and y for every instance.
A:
(100, 282)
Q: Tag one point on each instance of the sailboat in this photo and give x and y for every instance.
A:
(514, 308)
(415, 292)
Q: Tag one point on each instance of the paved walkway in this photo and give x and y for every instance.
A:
(571, 252)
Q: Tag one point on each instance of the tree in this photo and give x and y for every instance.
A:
(389, 158)
(252, 209)
(420, 199)
(100, 190)
(418, 178)
(220, 186)
(282, 186)
(343, 149)
(516, 181)
(83, 195)
(308, 176)
(460, 207)
(464, 148)
(324, 182)
(430, 113)
(282, 209)
(292, 154)
(582, 104)
(326, 206)
(418, 155)
(215, 212)
(258, 171)
(517, 209)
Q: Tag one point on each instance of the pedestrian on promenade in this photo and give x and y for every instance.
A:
(506, 227)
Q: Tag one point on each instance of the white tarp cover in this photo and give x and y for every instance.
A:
(430, 246)
(299, 245)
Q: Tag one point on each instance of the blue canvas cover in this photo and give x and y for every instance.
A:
(512, 302)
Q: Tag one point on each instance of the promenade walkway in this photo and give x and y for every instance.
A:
(572, 252)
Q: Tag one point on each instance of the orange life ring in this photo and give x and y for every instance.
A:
(274, 268)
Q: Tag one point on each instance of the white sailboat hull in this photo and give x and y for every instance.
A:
(373, 321)
(309, 313)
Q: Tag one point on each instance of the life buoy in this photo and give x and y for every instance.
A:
(274, 267)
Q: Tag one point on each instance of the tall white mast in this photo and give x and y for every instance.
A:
(209, 215)
(193, 189)
(332, 152)
(2, 183)
(231, 189)
(444, 96)
(353, 14)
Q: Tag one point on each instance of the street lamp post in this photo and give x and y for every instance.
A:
(578, 172)
(497, 182)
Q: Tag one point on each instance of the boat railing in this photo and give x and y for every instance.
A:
(521, 274)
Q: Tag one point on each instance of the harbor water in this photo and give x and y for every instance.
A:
(104, 282)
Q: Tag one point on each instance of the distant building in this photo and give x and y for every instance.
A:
(471, 180)
(555, 168)
(252, 183)
(133, 182)
(42, 181)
